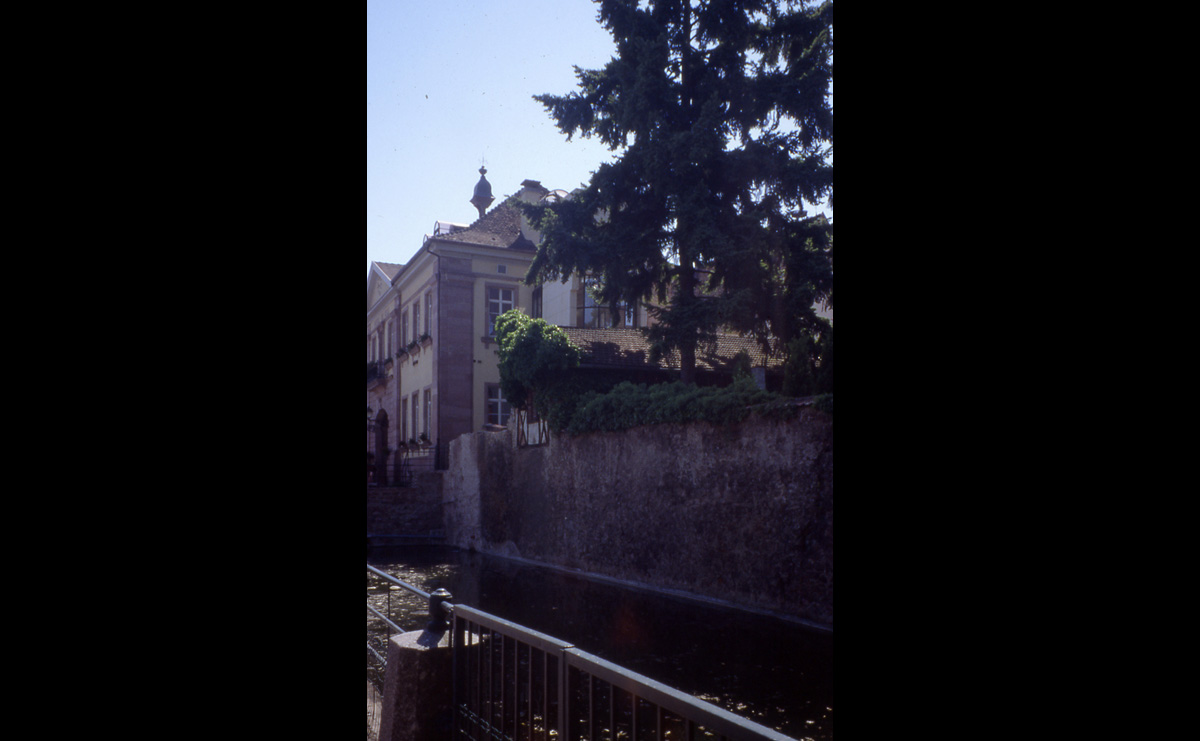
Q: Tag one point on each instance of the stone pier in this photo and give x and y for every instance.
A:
(417, 697)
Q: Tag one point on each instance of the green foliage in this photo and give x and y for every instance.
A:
(722, 115)
(629, 405)
(741, 364)
(809, 366)
(534, 357)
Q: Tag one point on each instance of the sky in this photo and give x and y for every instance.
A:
(450, 87)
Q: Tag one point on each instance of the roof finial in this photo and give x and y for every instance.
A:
(483, 192)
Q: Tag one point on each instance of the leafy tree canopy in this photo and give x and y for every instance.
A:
(722, 112)
(533, 358)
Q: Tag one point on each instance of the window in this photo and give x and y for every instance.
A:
(592, 314)
(416, 320)
(404, 329)
(404, 420)
(536, 307)
(415, 402)
(428, 310)
(500, 300)
(429, 413)
(390, 329)
(497, 407)
(502, 269)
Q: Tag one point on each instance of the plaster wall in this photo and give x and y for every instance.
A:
(559, 302)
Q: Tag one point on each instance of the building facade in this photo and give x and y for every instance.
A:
(433, 362)
(430, 329)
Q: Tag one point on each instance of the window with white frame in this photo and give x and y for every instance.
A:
(497, 407)
(499, 301)
(429, 413)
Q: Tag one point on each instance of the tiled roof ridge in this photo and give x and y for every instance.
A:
(501, 224)
(628, 346)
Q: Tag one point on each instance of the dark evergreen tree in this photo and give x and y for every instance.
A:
(722, 113)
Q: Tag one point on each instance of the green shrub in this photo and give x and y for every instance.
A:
(628, 405)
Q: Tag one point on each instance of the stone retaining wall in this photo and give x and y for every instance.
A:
(741, 513)
(409, 510)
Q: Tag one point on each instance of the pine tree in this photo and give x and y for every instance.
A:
(721, 111)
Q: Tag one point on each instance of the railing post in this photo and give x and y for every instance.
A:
(439, 622)
(419, 686)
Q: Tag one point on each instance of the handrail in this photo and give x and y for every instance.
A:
(712, 717)
(386, 619)
(388, 577)
(440, 607)
(691, 710)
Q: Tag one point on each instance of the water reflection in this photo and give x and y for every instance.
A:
(772, 671)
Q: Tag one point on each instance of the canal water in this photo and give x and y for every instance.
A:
(775, 672)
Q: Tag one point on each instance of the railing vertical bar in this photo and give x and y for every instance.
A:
(591, 690)
(529, 696)
(612, 712)
(472, 672)
(454, 654)
(527, 670)
(468, 680)
(501, 694)
(633, 717)
(545, 695)
(477, 708)
(468, 687)
(477, 703)
(502, 688)
(488, 702)
(510, 708)
(516, 673)
(562, 702)
(516, 714)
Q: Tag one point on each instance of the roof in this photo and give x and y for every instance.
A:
(627, 347)
(389, 269)
(500, 227)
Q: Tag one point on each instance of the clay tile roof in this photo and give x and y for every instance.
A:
(389, 269)
(626, 347)
(500, 227)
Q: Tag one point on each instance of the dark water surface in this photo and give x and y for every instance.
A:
(772, 671)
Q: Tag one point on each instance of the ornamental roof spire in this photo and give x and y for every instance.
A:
(483, 193)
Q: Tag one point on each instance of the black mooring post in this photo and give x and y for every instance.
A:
(438, 620)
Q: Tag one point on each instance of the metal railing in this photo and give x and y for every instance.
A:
(381, 627)
(512, 683)
(400, 465)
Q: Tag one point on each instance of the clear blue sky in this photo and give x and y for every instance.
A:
(450, 86)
